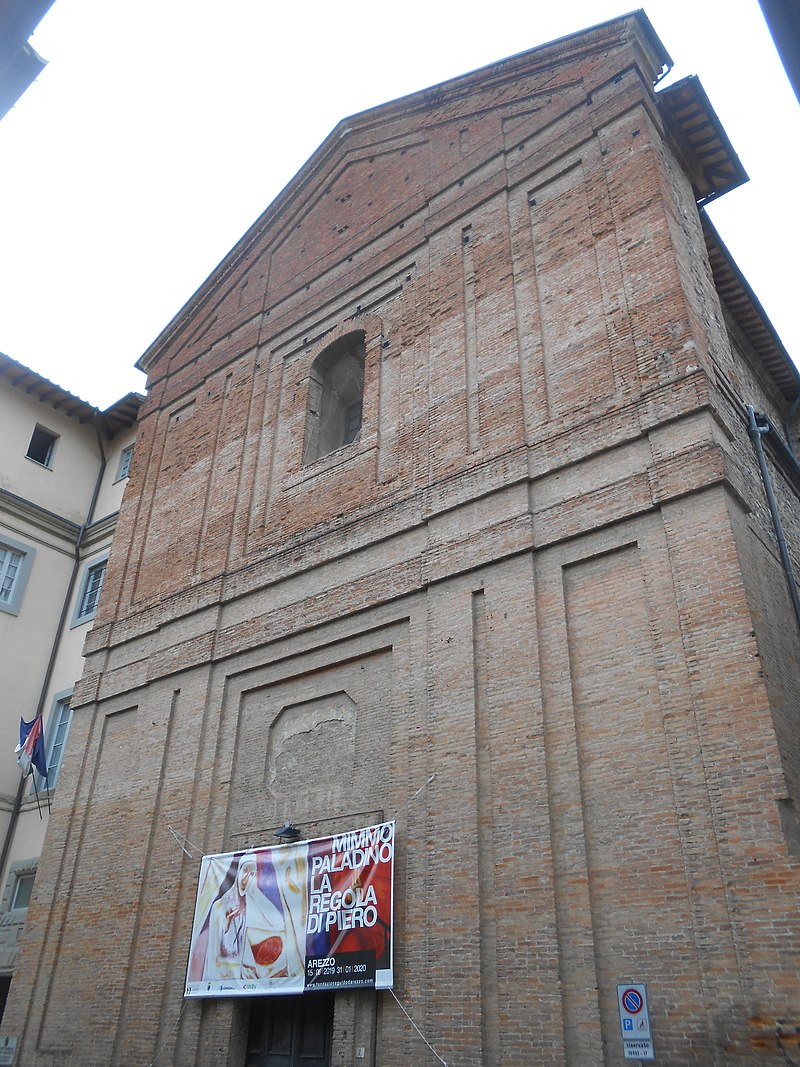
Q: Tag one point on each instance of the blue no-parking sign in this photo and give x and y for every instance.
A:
(634, 1021)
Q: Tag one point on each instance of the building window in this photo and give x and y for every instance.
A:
(55, 740)
(90, 589)
(18, 887)
(335, 397)
(10, 564)
(125, 463)
(15, 563)
(22, 891)
(42, 446)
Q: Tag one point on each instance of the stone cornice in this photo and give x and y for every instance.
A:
(56, 525)
(46, 521)
(100, 531)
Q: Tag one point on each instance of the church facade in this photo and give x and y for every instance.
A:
(446, 510)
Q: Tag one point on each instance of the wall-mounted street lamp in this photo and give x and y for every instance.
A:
(288, 833)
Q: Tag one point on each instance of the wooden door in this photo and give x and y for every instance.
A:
(290, 1031)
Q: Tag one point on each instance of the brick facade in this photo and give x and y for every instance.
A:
(542, 581)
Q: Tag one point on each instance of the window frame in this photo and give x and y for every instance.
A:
(125, 459)
(47, 463)
(21, 878)
(80, 617)
(14, 603)
(59, 702)
(18, 870)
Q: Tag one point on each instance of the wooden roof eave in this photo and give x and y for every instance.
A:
(121, 415)
(748, 313)
(699, 140)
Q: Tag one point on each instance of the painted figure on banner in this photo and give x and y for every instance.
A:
(246, 934)
(291, 869)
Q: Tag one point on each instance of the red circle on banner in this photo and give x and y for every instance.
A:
(267, 951)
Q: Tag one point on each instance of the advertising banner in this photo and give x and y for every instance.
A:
(295, 918)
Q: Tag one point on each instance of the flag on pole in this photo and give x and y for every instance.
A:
(31, 747)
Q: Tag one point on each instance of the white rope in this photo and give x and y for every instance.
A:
(424, 1038)
(415, 795)
(166, 1040)
(180, 839)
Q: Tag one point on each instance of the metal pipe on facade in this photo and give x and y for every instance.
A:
(756, 433)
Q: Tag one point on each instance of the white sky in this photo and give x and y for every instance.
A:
(161, 129)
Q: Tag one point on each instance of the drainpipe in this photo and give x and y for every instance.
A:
(758, 425)
(48, 674)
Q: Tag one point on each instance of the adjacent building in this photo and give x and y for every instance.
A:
(63, 468)
(449, 507)
(20, 63)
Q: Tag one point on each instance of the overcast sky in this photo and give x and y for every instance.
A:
(161, 129)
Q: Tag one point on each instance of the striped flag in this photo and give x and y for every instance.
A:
(30, 750)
